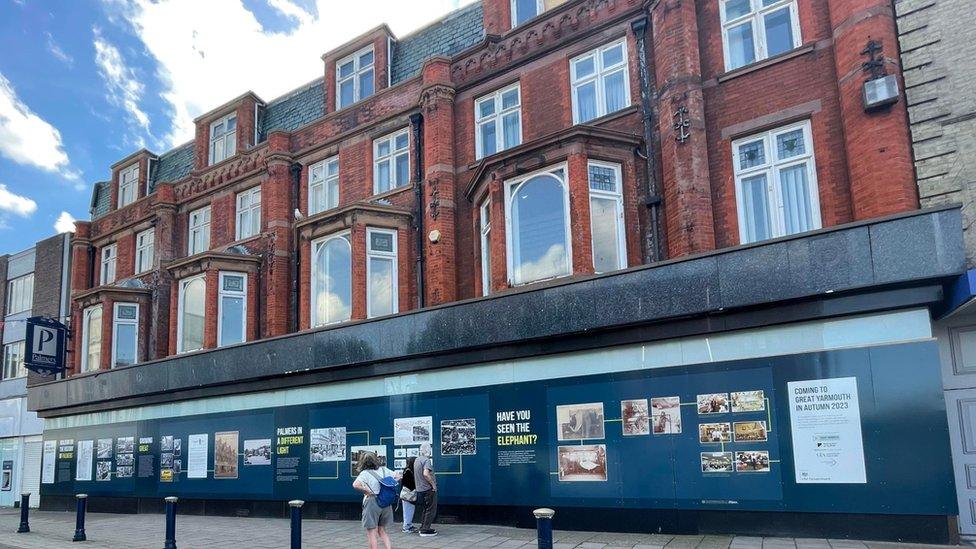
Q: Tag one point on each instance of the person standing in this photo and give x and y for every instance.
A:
(426, 481)
(409, 490)
(375, 518)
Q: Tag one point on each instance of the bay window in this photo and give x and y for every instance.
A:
(331, 280)
(232, 309)
(110, 255)
(145, 250)
(20, 294)
(125, 334)
(484, 221)
(601, 84)
(190, 314)
(248, 213)
(223, 138)
(323, 185)
(391, 161)
(91, 326)
(199, 233)
(381, 272)
(537, 226)
(776, 183)
(753, 30)
(354, 78)
(128, 183)
(13, 360)
(498, 121)
(606, 217)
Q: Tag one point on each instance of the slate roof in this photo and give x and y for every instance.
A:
(448, 36)
(455, 32)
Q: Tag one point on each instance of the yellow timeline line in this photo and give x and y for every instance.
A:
(769, 416)
(461, 471)
(336, 477)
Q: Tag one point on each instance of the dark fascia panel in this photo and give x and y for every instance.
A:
(906, 250)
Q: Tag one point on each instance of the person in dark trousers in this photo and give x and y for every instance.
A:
(426, 481)
(409, 488)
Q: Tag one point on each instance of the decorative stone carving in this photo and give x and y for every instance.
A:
(434, 95)
(243, 165)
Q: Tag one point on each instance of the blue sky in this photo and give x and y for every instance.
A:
(84, 83)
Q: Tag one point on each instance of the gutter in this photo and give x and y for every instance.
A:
(417, 131)
(652, 197)
(295, 264)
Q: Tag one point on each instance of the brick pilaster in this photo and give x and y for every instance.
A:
(276, 213)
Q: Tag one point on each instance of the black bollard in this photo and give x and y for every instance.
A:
(296, 523)
(170, 522)
(24, 505)
(543, 523)
(80, 519)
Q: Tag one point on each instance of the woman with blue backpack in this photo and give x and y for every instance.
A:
(379, 487)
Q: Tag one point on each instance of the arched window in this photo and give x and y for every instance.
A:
(92, 357)
(538, 227)
(193, 292)
(331, 280)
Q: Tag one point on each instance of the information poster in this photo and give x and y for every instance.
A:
(49, 459)
(826, 419)
(196, 465)
(86, 450)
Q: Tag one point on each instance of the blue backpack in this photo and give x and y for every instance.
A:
(388, 490)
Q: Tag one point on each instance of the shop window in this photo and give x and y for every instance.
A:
(484, 221)
(110, 256)
(606, 217)
(391, 161)
(381, 272)
(190, 318)
(753, 30)
(232, 309)
(498, 121)
(125, 334)
(91, 324)
(537, 226)
(199, 233)
(13, 360)
(354, 78)
(601, 84)
(776, 183)
(128, 183)
(249, 213)
(331, 280)
(223, 138)
(20, 294)
(323, 185)
(145, 250)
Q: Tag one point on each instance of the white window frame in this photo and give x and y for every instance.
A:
(540, 7)
(116, 322)
(357, 70)
(85, 320)
(514, 277)
(202, 226)
(10, 351)
(221, 293)
(179, 312)
(20, 294)
(384, 255)
(618, 198)
(756, 16)
(318, 246)
(496, 119)
(128, 185)
(246, 215)
(224, 138)
(145, 250)
(599, 75)
(772, 168)
(110, 259)
(484, 226)
(319, 178)
(391, 160)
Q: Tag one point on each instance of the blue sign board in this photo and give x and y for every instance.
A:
(45, 345)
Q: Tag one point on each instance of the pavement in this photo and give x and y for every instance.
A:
(53, 530)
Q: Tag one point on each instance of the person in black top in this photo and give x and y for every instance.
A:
(408, 506)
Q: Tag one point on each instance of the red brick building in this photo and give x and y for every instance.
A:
(510, 143)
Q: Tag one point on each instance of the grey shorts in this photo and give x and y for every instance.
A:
(374, 515)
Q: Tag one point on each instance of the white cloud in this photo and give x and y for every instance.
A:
(124, 87)
(27, 138)
(65, 223)
(16, 204)
(57, 52)
(212, 51)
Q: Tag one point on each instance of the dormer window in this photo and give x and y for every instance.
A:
(223, 138)
(354, 78)
(523, 10)
(128, 183)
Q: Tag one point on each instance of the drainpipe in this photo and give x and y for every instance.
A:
(648, 93)
(296, 185)
(417, 131)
